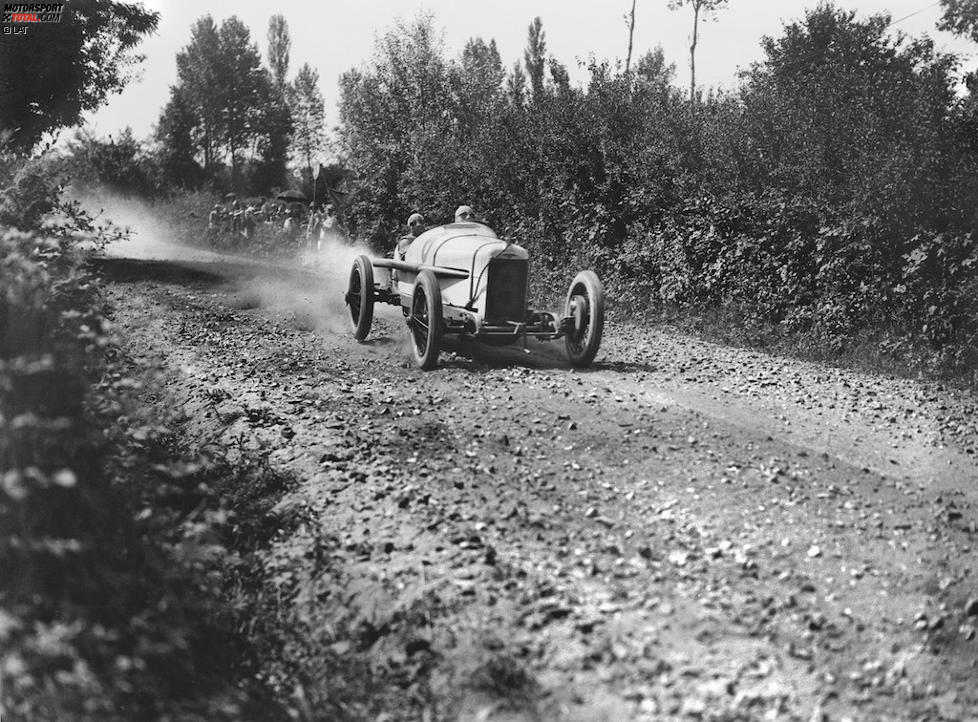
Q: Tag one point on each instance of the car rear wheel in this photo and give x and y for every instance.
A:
(585, 304)
(360, 297)
(425, 321)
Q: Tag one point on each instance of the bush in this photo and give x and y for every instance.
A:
(103, 614)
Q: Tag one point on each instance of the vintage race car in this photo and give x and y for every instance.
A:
(462, 279)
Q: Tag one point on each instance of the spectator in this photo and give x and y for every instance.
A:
(214, 218)
(248, 222)
(312, 230)
(236, 214)
(215, 223)
(328, 227)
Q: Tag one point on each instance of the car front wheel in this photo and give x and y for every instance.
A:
(425, 321)
(585, 305)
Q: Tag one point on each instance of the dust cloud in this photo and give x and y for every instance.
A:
(307, 288)
(150, 236)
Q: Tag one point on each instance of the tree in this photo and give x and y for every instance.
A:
(960, 17)
(516, 86)
(652, 70)
(243, 87)
(559, 75)
(844, 113)
(396, 121)
(272, 145)
(278, 50)
(708, 8)
(478, 105)
(116, 162)
(276, 118)
(239, 114)
(48, 79)
(482, 64)
(308, 115)
(177, 146)
(478, 80)
(535, 57)
(198, 74)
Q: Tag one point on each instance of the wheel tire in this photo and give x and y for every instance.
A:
(585, 302)
(360, 297)
(425, 321)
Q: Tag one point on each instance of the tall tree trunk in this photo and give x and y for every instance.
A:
(692, 55)
(631, 37)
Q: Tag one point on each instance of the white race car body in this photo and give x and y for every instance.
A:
(495, 283)
(462, 279)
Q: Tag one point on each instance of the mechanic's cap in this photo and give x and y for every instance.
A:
(464, 213)
(416, 219)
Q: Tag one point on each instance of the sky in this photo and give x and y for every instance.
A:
(336, 36)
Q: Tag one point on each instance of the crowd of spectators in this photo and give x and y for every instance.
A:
(297, 223)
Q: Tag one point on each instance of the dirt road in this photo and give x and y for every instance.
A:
(685, 531)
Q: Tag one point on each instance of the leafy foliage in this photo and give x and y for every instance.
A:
(48, 79)
(198, 73)
(279, 44)
(309, 116)
(175, 135)
(225, 105)
(110, 599)
(243, 87)
(961, 17)
(119, 164)
(792, 204)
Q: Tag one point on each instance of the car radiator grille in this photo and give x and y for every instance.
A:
(506, 292)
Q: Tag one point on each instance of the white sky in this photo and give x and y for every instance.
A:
(335, 36)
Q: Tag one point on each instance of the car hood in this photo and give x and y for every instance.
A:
(466, 246)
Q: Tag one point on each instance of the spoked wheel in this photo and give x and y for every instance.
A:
(360, 297)
(425, 321)
(585, 304)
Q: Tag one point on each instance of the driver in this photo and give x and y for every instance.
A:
(464, 214)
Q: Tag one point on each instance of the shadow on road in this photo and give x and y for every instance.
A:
(131, 270)
(198, 271)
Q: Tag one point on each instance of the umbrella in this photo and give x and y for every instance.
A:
(292, 195)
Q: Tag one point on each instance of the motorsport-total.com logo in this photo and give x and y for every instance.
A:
(26, 14)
